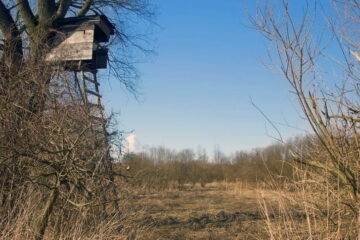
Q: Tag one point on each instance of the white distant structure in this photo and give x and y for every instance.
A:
(131, 143)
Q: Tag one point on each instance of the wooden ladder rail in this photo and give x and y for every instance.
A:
(87, 78)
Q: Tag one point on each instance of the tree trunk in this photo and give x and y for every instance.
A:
(43, 219)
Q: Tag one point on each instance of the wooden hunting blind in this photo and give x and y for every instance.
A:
(79, 46)
(79, 42)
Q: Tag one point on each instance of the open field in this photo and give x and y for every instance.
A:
(216, 211)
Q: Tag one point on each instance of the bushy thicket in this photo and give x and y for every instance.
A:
(55, 173)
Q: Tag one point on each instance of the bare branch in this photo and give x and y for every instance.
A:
(26, 13)
(85, 8)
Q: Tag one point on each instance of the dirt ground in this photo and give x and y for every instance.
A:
(216, 211)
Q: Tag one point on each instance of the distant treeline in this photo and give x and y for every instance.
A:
(161, 167)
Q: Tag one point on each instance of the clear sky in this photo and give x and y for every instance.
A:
(196, 89)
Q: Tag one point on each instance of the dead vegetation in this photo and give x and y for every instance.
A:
(56, 174)
(217, 211)
(162, 168)
(327, 170)
(53, 164)
(58, 181)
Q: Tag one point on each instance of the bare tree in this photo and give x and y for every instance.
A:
(332, 111)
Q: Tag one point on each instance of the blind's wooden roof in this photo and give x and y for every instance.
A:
(101, 22)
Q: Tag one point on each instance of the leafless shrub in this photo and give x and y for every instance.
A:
(55, 164)
(53, 159)
(327, 168)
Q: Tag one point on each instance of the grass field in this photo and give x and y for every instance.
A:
(216, 211)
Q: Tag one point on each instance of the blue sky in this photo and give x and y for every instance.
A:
(196, 89)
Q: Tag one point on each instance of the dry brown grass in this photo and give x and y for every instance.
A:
(224, 210)
(217, 211)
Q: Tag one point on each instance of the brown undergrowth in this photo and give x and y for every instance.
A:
(220, 210)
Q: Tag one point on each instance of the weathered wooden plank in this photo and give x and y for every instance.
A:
(79, 45)
(70, 52)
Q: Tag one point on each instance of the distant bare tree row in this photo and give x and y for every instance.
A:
(161, 168)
